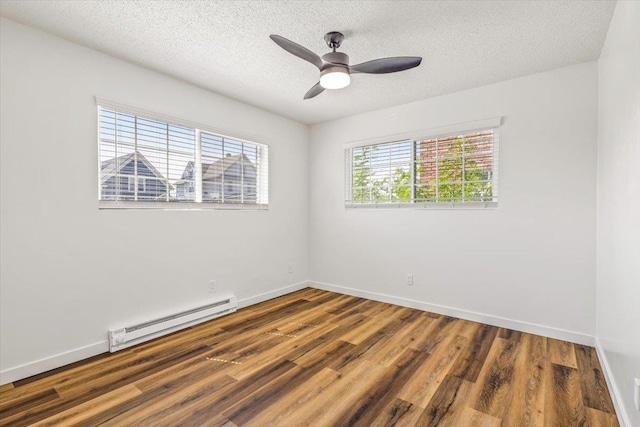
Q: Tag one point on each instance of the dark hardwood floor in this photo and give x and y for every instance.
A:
(324, 359)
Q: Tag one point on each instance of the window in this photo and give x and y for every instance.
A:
(450, 170)
(145, 160)
(131, 184)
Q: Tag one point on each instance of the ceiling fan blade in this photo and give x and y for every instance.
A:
(314, 91)
(387, 65)
(297, 50)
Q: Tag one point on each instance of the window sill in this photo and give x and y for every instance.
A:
(439, 205)
(179, 206)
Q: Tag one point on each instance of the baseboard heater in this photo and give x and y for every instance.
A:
(131, 335)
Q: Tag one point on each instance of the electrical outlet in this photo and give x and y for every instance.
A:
(212, 285)
(409, 280)
(636, 393)
(290, 268)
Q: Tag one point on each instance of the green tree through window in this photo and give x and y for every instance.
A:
(460, 170)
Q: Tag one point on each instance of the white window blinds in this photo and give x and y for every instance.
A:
(148, 160)
(455, 169)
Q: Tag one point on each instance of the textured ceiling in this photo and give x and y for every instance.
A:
(224, 46)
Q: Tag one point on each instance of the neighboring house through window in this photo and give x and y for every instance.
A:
(150, 160)
(118, 177)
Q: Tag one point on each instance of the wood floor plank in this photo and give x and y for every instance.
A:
(423, 325)
(121, 374)
(269, 317)
(368, 347)
(260, 400)
(594, 388)
(526, 408)
(398, 413)
(163, 397)
(562, 353)
(352, 303)
(563, 401)
(79, 366)
(410, 315)
(216, 421)
(379, 309)
(312, 293)
(363, 329)
(509, 334)
(180, 373)
(472, 418)
(333, 306)
(238, 343)
(291, 402)
(495, 382)
(87, 392)
(263, 343)
(439, 331)
(470, 362)
(364, 410)
(312, 345)
(288, 347)
(127, 363)
(319, 358)
(313, 410)
(326, 299)
(81, 413)
(66, 373)
(601, 419)
(25, 402)
(198, 402)
(423, 385)
(340, 398)
(388, 352)
(446, 404)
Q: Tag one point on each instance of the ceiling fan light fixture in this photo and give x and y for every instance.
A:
(335, 78)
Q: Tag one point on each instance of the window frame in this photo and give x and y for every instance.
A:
(492, 124)
(198, 128)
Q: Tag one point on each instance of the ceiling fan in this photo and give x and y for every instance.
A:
(335, 71)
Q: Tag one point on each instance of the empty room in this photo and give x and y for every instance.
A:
(320, 213)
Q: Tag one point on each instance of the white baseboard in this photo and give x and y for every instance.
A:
(517, 325)
(58, 360)
(48, 363)
(621, 411)
(245, 302)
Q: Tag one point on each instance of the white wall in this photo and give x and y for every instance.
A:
(71, 271)
(531, 260)
(618, 223)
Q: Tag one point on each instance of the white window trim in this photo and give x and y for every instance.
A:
(179, 206)
(150, 114)
(468, 127)
(461, 128)
(198, 127)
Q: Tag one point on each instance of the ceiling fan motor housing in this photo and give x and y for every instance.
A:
(335, 72)
(336, 58)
